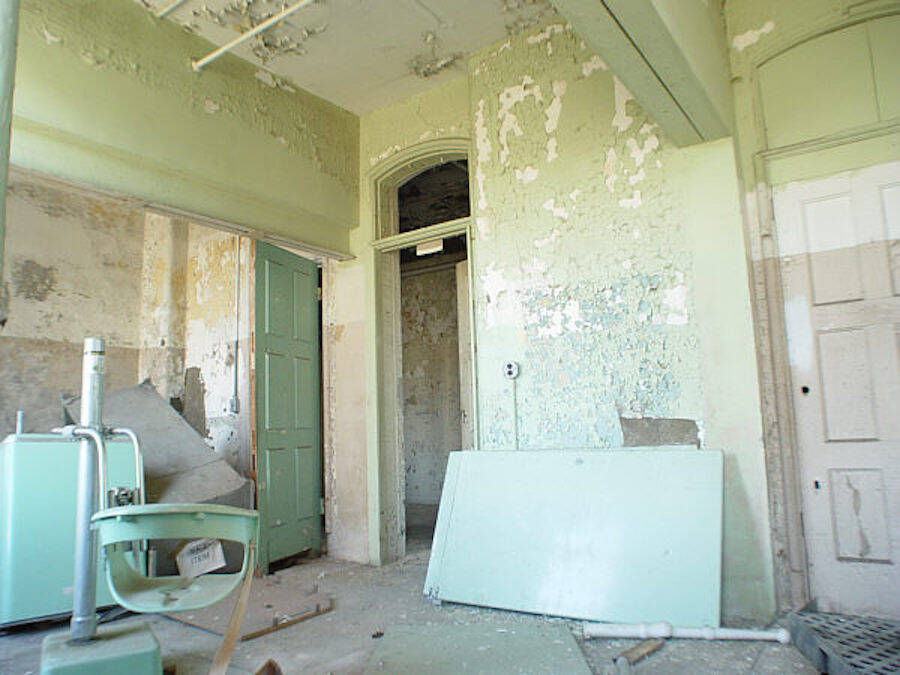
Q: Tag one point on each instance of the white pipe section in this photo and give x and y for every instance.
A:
(165, 11)
(243, 37)
(664, 629)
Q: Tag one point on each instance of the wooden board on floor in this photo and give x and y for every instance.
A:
(272, 607)
(626, 536)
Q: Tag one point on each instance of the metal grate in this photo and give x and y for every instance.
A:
(845, 645)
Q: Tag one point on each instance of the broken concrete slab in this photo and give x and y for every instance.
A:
(178, 465)
(631, 535)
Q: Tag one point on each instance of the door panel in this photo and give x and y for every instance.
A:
(288, 403)
(838, 239)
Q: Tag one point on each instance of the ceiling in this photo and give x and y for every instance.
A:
(361, 54)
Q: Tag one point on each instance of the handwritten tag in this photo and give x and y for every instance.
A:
(199, 557)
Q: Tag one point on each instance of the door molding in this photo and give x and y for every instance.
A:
(779, 438)
(386, 485)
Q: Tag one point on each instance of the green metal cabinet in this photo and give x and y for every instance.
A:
(37, 523)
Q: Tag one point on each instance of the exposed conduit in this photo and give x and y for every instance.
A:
(165, 11)
(199, 64)
(664, 629)
(234, 405)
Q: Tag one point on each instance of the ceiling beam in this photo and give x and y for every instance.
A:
(670, 54)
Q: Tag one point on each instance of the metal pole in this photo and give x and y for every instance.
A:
(84, 609)
(9, 30)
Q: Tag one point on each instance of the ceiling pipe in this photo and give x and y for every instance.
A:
(199, 64)
(165, 11)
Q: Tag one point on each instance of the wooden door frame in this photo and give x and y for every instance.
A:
(790, 561)
(386, 486)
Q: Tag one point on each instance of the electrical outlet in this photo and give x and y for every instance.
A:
(510, 370)
(234, 404)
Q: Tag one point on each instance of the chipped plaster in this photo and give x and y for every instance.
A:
(752, 36)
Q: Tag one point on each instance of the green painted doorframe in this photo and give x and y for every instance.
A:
(385, 522)
(9, 31)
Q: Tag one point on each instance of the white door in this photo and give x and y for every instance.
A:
(839, 241)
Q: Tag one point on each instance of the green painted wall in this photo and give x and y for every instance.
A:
(607, 262)
(105, 95)
(440, 113)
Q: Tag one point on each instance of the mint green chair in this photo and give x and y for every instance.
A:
(122, 525)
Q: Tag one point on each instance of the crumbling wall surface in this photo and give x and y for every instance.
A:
(189, 323)
(431, 413)
(230, 142)
(71, 270)
(610, 265)
(346, 441)
(584, 274)
(351, 457)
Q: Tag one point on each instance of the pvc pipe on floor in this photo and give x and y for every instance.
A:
(664, 629)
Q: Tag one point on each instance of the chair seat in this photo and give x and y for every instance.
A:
(135, 591)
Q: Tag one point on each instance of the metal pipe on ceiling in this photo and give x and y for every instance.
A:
(165, 11)
(199, 64)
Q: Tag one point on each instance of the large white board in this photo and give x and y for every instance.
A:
(620, 535)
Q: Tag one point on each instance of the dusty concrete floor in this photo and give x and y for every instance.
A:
(370, 599)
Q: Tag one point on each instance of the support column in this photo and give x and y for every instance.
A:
(9, 30)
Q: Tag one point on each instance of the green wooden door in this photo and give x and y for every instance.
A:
(288, 456)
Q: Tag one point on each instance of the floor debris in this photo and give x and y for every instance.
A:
(268, 610)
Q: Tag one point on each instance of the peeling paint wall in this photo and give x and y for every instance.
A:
(71, 270)
(351, 460)
(431, 406)
(188, 328)
(590, 291)
(159, 289)
(610, 265)
(595, 280)
(139, 121)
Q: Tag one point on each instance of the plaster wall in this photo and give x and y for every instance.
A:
(71, 270)
(105, 95)
(159, 289)
(351, 428)
(431, 405)
(189, 324)
(610, 265)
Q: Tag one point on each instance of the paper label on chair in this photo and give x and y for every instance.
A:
(199, 557)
